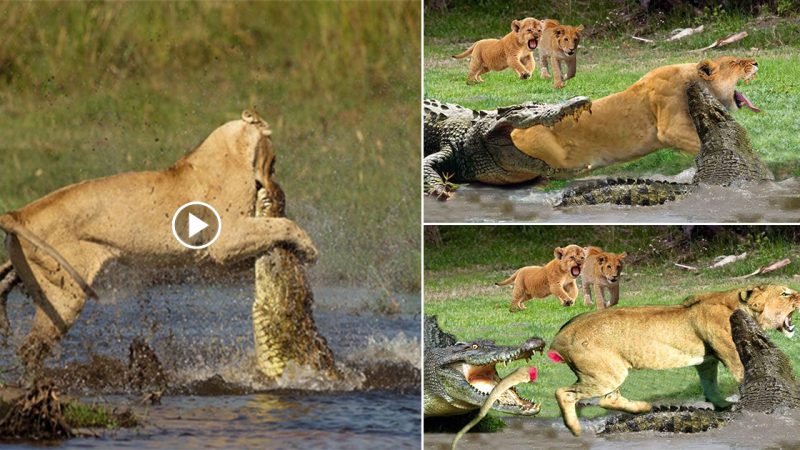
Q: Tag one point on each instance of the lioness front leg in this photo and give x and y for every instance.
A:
(563, 296)
(614, 400)
(528, 62)
(252, 236)
(587, 294)
(543, 71)
(708, 381)
(572, 68)
(600, 297)
(614, 294)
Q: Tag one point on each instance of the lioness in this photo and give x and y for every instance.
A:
(556, 277)
(601, 271)
(59, 243)
(651, 114)
(514, 50)
(601, 346)
(559, 43)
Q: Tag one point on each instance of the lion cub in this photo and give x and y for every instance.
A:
(556, 277)
(514, 50)
(601, 270)
(559, 43)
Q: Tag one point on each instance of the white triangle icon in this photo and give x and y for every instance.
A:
(196, 225)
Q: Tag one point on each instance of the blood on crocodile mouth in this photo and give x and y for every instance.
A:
(484, 378)
(532, 43)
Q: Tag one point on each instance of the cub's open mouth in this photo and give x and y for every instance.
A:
(741, 99)
(532, 43)
(787, 327)
(575, 271)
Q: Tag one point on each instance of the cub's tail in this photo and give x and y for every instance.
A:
(10, 225)
(466, 52)
(508, 280)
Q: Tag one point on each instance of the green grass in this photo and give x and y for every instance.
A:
(609, 61)
(93, 89)
(79, 415)
(461, 272)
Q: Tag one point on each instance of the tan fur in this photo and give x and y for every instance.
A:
(59, 243)
(602, 346)
(514, 50)
(559, 43)
(553, 278)
(651, 114)
(601, 271)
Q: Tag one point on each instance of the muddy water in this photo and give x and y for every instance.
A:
(766, 202)
(199, 331)
(751, 431)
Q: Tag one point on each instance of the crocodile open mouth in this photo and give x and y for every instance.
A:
(787, 327)
(532, 43)
(484, 378)
(741, 99)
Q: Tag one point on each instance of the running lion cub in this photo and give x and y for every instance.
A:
(514, 50)
(556, 277)
(559, 43)
(601, 271)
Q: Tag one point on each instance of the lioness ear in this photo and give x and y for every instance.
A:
(558, 252)
(745, 295)
(515, 26)
(706, 69)
(623, 255)
(601, 259)
(579, 29)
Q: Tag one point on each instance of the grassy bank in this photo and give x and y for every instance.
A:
(93, 89)
(609, 61)
(461, 271)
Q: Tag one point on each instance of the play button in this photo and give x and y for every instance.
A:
(196, 225)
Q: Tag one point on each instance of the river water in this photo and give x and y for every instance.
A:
(200, 330)
(765, 202)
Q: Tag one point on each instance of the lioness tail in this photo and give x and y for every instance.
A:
(11, 226)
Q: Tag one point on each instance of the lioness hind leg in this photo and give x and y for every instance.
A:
(708, 371)
(568, 397)
(614, 400)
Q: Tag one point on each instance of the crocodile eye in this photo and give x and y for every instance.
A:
(474, 346)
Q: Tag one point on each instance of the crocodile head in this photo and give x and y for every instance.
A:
(460, 376)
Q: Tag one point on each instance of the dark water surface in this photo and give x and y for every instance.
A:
(200, 330)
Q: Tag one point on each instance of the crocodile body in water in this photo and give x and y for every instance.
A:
(726, 158)
(283, 324)
(461, 144)
(460, 375)
(768, 386)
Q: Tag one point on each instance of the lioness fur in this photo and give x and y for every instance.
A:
(514, 50)
(559, 43)
(557, 277)
(602, 346)
(602, 271)
(59, 243)
(651, 114)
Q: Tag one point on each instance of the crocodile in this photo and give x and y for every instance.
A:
(283, 324)
(768, 386)
(462, 144)
(726, 158)
(460, 375)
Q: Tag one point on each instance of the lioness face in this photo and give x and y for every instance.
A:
(722, 76)
(610, 265)
(570, 259)
(528, 31)
(567, 38)
(772, 307)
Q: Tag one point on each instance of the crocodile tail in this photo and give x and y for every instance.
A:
(465, 53)
(669, 419)
(12, 226)
(508, 280)
(622, 191)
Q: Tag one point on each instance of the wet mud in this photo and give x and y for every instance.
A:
(774, 202)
